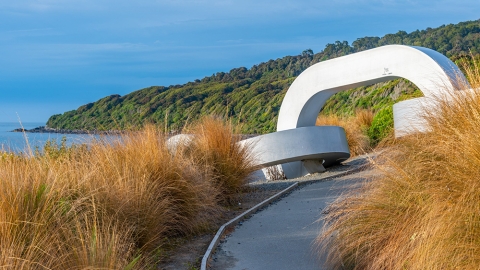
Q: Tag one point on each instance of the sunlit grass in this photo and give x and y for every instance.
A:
(422, 210)
(228, 163)
(355, 129)
(114, 205)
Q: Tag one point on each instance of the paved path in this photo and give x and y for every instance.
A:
(281, 236)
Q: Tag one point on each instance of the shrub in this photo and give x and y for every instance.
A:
(382, 125)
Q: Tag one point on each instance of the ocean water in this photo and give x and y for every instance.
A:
(17, 141)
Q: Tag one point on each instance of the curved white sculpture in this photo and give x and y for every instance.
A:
(303, 148)
(326, 143)
(426, 68)
(429, 70)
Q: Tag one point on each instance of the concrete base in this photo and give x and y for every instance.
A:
(314, 166)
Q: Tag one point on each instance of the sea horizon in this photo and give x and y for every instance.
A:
(21, 142)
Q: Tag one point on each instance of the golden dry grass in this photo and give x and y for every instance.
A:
(355, 129)
(422, 211)
(227, 164)
(111, 205)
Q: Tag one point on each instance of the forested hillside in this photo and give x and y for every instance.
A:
(253, 96)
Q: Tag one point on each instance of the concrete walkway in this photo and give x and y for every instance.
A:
(281, 236)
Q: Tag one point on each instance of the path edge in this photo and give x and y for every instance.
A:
(216, 240)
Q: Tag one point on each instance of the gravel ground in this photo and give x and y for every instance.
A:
(349, 166)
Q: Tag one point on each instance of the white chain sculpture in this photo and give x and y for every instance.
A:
(302, 148)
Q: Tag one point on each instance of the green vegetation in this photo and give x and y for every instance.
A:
(253, 96)
(373, 97)
(382, 125)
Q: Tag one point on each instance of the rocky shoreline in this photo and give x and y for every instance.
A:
(45, 129)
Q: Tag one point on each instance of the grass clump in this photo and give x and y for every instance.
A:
(422, 210)
(111, 204)
(226, 163)
(356, 128)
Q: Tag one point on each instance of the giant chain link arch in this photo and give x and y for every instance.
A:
(302, 148)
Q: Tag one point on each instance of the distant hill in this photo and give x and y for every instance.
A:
(252, 97)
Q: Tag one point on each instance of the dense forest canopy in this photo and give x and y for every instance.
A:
(252, 97)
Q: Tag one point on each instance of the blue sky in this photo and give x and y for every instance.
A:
(56, 55)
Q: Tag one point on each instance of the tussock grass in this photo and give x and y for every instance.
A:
(227, 163)
(422, 211)
(355, 129)
(111, 205)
